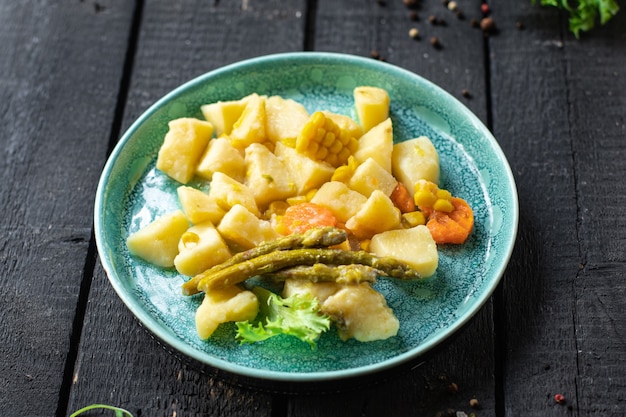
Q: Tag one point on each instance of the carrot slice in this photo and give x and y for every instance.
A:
(402, 199)
(305, 216)
(453, 227)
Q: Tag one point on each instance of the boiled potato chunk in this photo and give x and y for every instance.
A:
(157, 243)
(414, 160)
(362, 313)
(377, 144)
(266, 176)
(370, 176)
(340, 199)
(377, 215)
(198, 206)
(306, 173)
(182, 147)
(319, 290)
(415, 246)
(250, 127)
(227, 192)
(243, 228)
(225, 305)
(372, 106)
(200, 248)
(223, 114)
(285, 118)
(221, 156)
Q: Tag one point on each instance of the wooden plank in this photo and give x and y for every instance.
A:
(55, 120)
(177, 41)
(561, 300)
(595, 72)
(359, 29)
(527, 75)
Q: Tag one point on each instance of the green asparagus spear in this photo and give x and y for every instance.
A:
(276, 261)
(314, 238)
(341, 274)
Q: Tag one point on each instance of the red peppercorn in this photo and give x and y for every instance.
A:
(484, 8)
(559, 398)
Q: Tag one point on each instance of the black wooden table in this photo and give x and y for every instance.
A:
(75, 73)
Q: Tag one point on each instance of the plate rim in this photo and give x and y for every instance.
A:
(157, 328)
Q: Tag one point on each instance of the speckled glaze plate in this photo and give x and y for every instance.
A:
(132, 193)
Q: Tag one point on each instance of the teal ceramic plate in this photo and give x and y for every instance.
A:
(132, 193)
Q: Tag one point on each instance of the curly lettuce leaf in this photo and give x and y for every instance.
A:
(297, 316)
(584, 13)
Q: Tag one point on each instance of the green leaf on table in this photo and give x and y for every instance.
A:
(583, 14)
(119, 412)
(298, 316)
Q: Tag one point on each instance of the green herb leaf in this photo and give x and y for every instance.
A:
(584, 13)
(119, 412)
(297, 316)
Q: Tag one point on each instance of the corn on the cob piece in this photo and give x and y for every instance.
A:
(321, 139)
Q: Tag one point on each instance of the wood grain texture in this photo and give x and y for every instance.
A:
(55, 119)
(564, 293)
(363, 27)
(596, 77)
(177, 41)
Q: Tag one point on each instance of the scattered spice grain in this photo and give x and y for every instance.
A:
(473, 403)
(410, 3)
(453, 388)
(484, 8)
(414, 33)
(559, 398)
(519, 25)
(453, 6)
(487, 24)
(465, 92)
(434, 41)
(413, 15)
(475, 23)
(432, 20)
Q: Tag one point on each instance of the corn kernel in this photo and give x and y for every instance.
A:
(443, 205)
(443, 194)
(412, 219)
(336, 147)
(328, 140)
(424, 198)
(321, 153)
(344, 154)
